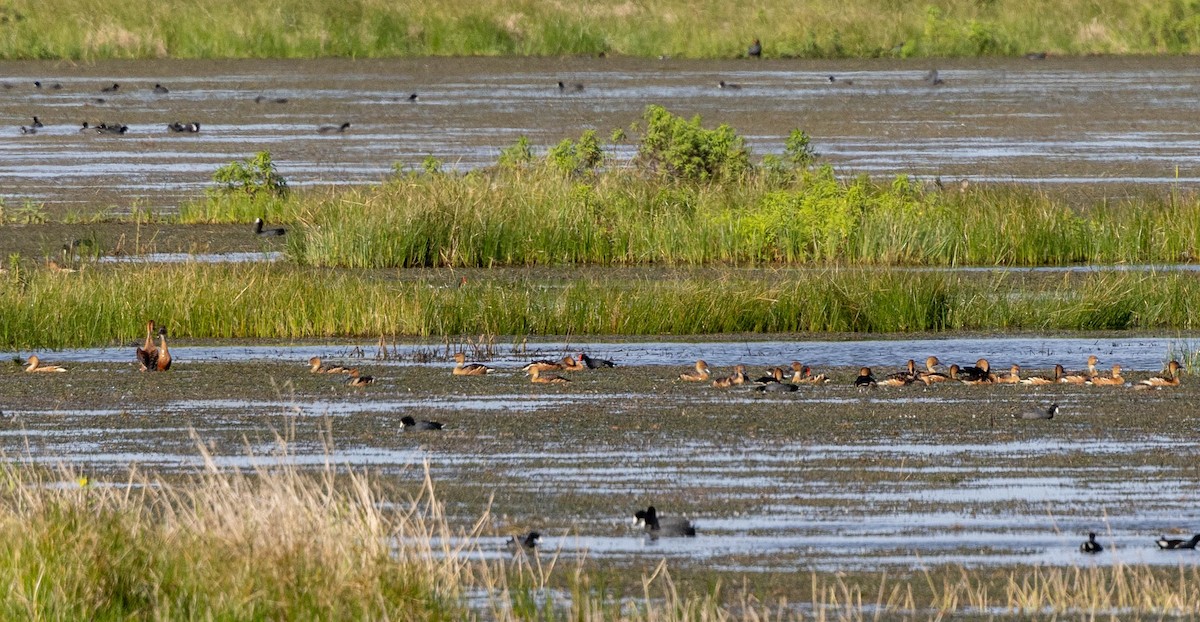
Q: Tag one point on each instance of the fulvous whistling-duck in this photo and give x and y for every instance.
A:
(164, 356)
(1012, 377)
(1040, 380)
(469, 369)
(701, 374)
(931, 375)
(979, 373)
(424, 424)
(535, 375)
(1166, 543)
(663, 527)
(1170, 380)
(35, 366)
(527, 542)
(865, 379)
(1091, 546)
(592, 363)
(570, 364)
(738, 377)
(543, 365)
(147, 355)
(1114, 380)
(1037, 412)
(1091, 370)
(901, 378)
(358, 380)
(319, 368)
(802, 374)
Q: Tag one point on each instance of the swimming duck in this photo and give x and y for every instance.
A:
(577, 86)
(1171, 544)
(1078, 377)
(163, 363)
(535, 376)
(407, 422)
(37, 123)
(526, 543)
(28, 130)
(1091, 546)
(1114, 380)
(1012, 377)
(663, 527)
(931, 375)
(1037, 412)
(728, 85)
(412, 97)
(147, 355)
(701, 374)
(738, 377)
(469, 369)
(592, 363)
(54, 87)
(570, 364)
(979, 373)
(184, 128)
(865, 379)
(111, 89)
(316, 367)
(161, 90)
(333, 129)
(755, 49)
(543, 365)
(274, 100)
(86, 129)
(258, 229)
(932, 78)
(1170, 380)
(34, 365)
(117, 128)
(358, 380)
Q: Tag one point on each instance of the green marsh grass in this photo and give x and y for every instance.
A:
(535, 215)
(706, 29)
(109, 304)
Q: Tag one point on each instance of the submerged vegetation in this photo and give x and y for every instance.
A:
(107, 304)
(711, 29)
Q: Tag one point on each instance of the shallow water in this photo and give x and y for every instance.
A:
(1056, 121)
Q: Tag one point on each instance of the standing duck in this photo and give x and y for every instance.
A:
(536, 377)
(147, 355)
(865, 379)
(469, 369)
(164, 356)
(931, 374)
(1091, 546)
(592, 363)
(1170, 380)
(34, 365)
(701, 374)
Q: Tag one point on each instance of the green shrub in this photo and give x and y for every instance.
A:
(674, 147)
(253, 176)
(575, 158)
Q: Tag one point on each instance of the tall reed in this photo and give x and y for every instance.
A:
(108, 305)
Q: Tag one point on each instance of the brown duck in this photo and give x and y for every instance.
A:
(164, 355)
(536, 377)
(147, 355)
(701, 374)
(358, 380)
(738, 377)
(469, 369)
(317, 367)
(1170, 380)
(1110, 381)
(34, 365)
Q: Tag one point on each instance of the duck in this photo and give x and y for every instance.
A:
(469, 369)
(738, 377)
(976, 374)
(772, 375)
(1114, 380)
(1091, 546)
(147, 355)
(184, 128)
(1172, 544)
(1037, 412)
(111, 89)
(34, 365)
(701, 374)
(57, 86)
(865, 379)
(28, 130)
(1170, 380)
(527, 542)
(755, 49)
(160, 89)
(901, 378)
(258, 229)
(728, 85)
(1042, 380)
(659, 527)
(333, 129)
(570, 364)
(1012, 377)
(105, 128)
(274, 100)
(1082, 377)
(536, 377)
(407, 422)
(412, 97)
(543, 365)
(576, 86)
(932, 78)
(316, 367)
(802, 374)
(358, 380)
(87, 129)
(593, 363)
(37, 122)
(776, 387)
(163, 363)
(931, 375)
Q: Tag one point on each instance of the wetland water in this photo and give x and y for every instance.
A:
(830, 477)
(1105, 121)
